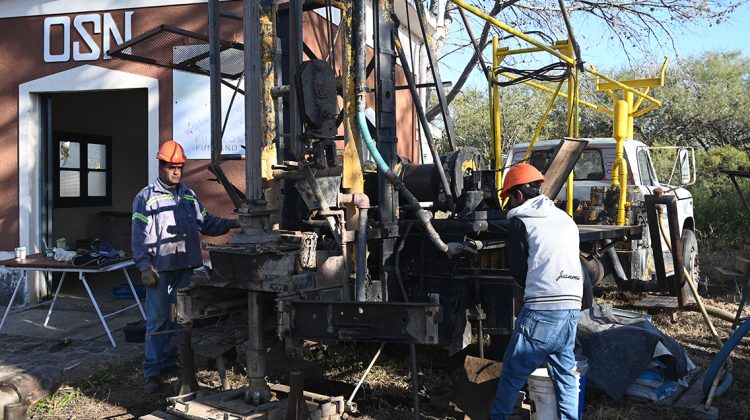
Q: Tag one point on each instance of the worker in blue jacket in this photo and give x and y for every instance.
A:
(166, 223)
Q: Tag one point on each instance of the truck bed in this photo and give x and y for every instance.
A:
(591, 233)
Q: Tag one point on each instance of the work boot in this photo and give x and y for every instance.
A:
(151, 385)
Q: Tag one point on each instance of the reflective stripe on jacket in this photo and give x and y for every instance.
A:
(165, 228)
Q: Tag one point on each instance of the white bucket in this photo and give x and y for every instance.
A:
(542, 391)
(542, 395)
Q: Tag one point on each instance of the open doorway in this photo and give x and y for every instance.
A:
(94, 164)
(33, 124)
(97, 143)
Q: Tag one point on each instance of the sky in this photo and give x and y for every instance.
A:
(605, 54)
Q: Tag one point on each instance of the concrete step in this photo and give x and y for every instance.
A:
(742, 264)
(725, 275)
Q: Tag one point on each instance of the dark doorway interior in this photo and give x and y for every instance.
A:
(98, 162)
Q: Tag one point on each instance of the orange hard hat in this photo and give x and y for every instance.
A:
(171, 152)
(520, 174)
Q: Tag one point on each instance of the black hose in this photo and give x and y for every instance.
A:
(361, 278)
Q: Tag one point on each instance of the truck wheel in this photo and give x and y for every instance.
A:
(690, 254)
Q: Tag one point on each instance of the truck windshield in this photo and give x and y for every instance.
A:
(590, 167)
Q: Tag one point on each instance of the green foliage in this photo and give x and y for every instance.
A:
(705, 103)
(56, 401)
(522, 108)
(719, 212)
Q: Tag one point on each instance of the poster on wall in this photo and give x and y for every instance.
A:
(191, 119)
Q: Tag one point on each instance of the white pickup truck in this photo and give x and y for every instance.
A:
(594, 201)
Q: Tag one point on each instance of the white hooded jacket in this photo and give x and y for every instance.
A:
(546, 239)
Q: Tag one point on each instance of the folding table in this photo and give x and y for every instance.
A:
(38, 262)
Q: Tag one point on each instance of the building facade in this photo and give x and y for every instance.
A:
(80, 130)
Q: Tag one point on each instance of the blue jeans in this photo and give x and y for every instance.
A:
(159, 352)
(540, 336)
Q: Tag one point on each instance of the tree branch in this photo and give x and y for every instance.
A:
(497, 8)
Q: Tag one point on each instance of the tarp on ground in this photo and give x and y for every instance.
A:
(619, 348)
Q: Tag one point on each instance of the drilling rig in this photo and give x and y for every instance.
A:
(342, 239)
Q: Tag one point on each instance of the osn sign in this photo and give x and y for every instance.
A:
(94, 30)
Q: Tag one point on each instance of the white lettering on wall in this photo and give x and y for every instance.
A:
(97, 29)
(95, 34)
(48, 23)
(110, 29)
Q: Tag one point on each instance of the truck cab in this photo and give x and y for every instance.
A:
(593, 195)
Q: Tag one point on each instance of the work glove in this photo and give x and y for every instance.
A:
(150, 278)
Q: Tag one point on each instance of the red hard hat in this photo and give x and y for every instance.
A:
(171, 152)
(520, 174)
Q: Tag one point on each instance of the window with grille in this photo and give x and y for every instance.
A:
(82, 170)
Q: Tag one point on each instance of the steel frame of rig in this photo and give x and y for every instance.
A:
(334, 247)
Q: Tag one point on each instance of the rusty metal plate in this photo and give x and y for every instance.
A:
(390, 322)
(562, 162)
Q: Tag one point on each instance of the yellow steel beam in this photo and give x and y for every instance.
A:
(622, 86)
(496, 120)
(560, 94)
(639, 101)
(644, 111)
(507, 51)
(638, 83)
(462, 4)
(539, 126)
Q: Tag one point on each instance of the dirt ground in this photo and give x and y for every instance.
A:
(116, 391)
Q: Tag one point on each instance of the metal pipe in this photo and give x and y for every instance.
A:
(424, 216)
(447, 121)
(497, 133)
(188, 382)
(258, 391)
(473, 40)
(253, 83)
(412, 347)
(214, 61)
(414, 380)
(572, 124)
(361, 274)
(423, 121)
(364, 375)
(621, 279)
(295, 59)
(397, 261)
(15, 411)
(620, 170)
(359, 22)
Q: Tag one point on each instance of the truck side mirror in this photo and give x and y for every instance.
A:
(683, 161)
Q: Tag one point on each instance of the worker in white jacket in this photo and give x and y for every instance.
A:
(543, 251)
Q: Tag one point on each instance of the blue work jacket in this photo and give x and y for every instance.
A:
(165, 228)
